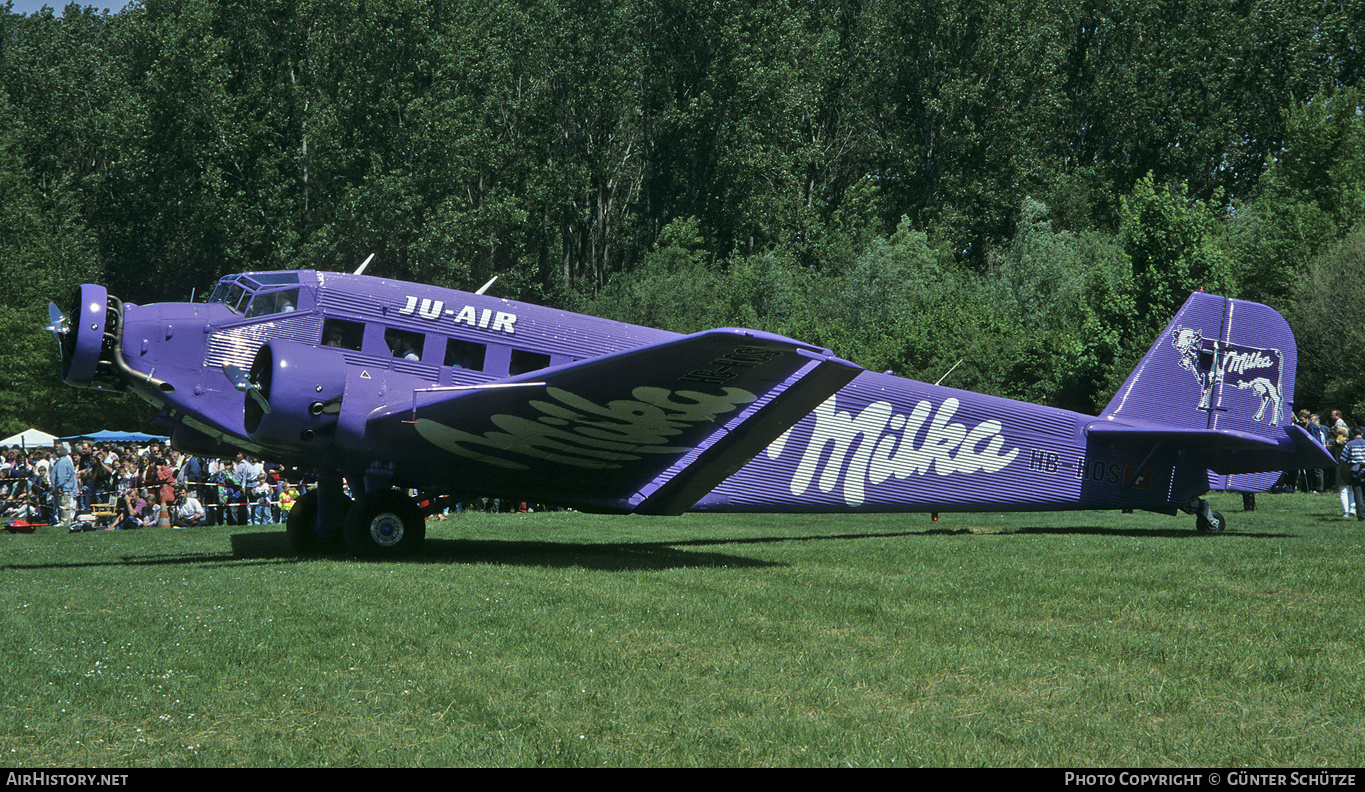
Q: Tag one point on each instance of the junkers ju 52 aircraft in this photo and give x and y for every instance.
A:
(396, 386)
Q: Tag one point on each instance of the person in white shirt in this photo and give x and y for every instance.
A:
(252, 475)
(187, 511)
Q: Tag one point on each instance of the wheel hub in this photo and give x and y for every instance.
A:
(386, 529)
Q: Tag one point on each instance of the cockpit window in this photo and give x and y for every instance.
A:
(273, 302)
(237, 291)
(234, 298)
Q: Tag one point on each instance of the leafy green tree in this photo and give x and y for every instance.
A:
(1054, 297)
(1313, 192)
(1173, 242)
(1326, 310)
(674, 288)
(45, 251)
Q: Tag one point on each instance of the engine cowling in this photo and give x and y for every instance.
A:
(85, 341)
(304, 386)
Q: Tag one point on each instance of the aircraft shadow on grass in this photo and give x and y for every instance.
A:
(605, 556)
(1137, 533)
(274, 548)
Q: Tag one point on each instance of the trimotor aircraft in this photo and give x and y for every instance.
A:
(384, 387)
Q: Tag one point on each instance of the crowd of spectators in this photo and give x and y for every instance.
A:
(1347, 478)
(123, 485)
(120, 486)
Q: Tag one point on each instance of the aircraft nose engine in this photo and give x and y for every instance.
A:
(86, 335)
(298, 394)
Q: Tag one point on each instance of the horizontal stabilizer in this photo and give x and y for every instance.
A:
(1225, 451)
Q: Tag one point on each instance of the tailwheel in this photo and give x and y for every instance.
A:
(301, 527)
(1213, 523)
(383, 524)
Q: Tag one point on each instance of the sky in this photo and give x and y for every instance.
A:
(30, 6)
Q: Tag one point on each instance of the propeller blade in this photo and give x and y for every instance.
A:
(243, 383)
(56, 321)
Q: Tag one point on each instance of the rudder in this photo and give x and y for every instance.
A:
(1220, 364)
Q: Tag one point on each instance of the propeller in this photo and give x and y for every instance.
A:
(56, 321)
(243, 383)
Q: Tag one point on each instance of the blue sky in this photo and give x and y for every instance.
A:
(29, 6)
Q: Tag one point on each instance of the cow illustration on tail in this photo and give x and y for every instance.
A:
(1242, 367)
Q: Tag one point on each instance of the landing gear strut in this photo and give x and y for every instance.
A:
(315, 522)
(300, 528)
(1205, 518)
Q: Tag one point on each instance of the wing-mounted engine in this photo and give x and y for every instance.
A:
(294, 394)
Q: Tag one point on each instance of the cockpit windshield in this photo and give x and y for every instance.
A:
(258, 293)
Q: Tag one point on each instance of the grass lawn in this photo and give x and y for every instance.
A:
(1077, 639)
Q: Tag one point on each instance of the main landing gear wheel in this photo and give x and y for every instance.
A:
(1214, 523)
(300, 528)
(384, 524)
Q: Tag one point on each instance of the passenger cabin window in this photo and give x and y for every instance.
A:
(465, 355)
(523, 361)
(404, 344)
(343, 334)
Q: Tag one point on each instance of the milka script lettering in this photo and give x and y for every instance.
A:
(886, 447)
(1242, 362)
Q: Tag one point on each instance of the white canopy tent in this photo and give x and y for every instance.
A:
(30, 438)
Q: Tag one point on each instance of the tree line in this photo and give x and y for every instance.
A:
(1029, 187)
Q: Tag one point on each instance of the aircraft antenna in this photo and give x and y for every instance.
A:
(364, 264)
(949, 371)
(484, 287)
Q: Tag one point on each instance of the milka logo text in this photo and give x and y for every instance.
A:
(886, 447)
(1244, 368)
(1241, 363)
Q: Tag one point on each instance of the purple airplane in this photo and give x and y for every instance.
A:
(396, 386)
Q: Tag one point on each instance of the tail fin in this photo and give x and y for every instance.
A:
(1220, 364)
(1224, 367)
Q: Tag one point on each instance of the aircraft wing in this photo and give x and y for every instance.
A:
(650, 430)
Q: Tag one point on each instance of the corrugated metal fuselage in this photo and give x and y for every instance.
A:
(881, 443)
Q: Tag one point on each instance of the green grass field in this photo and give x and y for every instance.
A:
(1085, 639)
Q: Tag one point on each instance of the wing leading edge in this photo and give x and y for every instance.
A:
(650, 430)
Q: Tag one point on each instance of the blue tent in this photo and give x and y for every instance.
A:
(107, 436)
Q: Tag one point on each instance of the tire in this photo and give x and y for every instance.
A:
(1215, 523)
(299, 527)
(384, 524)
